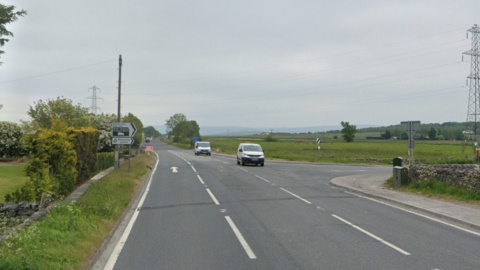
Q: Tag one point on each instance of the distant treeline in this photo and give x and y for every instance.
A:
(435, 131)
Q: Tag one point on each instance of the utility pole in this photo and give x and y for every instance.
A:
(93, 108)
(473, 80)
(271, 132)
(117, 148)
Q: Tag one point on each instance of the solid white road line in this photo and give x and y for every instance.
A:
(213, 197)
(242, 241)
(119, 246)
(201, 181)
(193, 169)
(293, 194)
(372, 235)
(418, 214)
(262, 178)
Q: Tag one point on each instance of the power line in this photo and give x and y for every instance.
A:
(56, 72)
(315, 59)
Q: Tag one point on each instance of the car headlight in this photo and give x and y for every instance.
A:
(261, 156)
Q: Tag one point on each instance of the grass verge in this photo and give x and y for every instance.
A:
(11, 179)
(71, 233)
(438, 190)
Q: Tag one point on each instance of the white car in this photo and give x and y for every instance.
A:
(250, 153)
(203, 148)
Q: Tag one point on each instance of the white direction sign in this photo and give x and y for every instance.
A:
(413, 127)
(122, 140)
(120, 129)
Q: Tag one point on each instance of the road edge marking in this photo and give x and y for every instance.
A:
(112, 260)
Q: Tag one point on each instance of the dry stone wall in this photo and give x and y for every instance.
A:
(463, 176)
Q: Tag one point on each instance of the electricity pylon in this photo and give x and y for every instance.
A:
(471, 133)
(94, 108)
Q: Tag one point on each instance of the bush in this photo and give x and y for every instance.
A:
(105, 161)
(270, 138)
(16, 263)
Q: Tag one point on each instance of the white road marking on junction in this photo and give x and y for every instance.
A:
(262, 178)
(201, 181)
(418, 214)
(293, 194)
(242, 241)
(372, 235)
(121, 242)
(193, 169)
(243, 169)
(174, 169)
(213, 197)
(225, 162)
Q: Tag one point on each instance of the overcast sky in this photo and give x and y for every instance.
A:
(245, 63)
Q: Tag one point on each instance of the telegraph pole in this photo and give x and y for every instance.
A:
(117, 148)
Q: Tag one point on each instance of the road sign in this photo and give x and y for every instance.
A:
(410, 127)
(149, 148)
(120, 129)
(318, 140)
(122, 141)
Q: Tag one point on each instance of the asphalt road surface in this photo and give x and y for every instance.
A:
(210, 213)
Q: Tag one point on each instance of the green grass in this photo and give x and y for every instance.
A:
(337, 151)
(11, 179)
(69, 235)
(438, 190)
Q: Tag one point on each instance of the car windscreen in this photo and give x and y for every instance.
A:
(253, 148)
(203, 144)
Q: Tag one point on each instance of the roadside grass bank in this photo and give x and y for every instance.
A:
(11, 179)
(437, 189)
(336, 151)
(68, 236)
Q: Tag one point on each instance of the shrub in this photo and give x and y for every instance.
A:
(270, 138)
(105, 161)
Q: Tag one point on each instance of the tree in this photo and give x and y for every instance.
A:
(103, 123)
(195, 130)
(44, 112)
(151, 132)
(174, 121)
(387, 135)
(10, 140)
(181, 131)
(7, 16)
(130, 118)
(432, 134)
(348, 131)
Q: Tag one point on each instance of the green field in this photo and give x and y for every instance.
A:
(338, 151)
(11, 179)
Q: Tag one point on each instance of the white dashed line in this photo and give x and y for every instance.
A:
(201, 181)
(193, 169)
(293, 194)
(372, 235)
(213, 197)
(243, 169)
(262, 178)
(239, 235)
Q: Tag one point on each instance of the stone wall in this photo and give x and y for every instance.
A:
(463, 176)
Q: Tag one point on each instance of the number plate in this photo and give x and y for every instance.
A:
(254, 159)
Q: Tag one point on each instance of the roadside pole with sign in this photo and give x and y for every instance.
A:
(410, 127)
(122, 134)
(318, 142)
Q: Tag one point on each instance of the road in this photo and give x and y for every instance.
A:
(214, 214)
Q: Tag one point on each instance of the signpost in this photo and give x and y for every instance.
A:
(410, 127)
(127, 141)
(122, 134)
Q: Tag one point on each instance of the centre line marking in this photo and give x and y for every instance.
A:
(243, 169)
(225, 162)
(372, 235)
(242, 241)
(262, 178)
(193, 169)
(213, 196)
(201, 181)
(293, 194)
